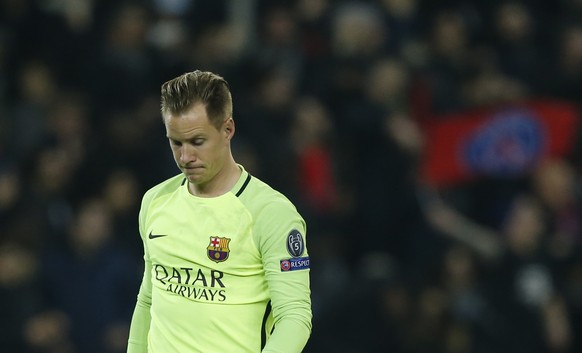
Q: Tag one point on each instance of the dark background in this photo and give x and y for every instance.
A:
(332, 100)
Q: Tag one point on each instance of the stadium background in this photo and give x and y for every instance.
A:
(433, 147)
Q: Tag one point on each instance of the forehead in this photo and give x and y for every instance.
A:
(189, 122)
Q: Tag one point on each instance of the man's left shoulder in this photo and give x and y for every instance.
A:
(260, 196)
(268, 194)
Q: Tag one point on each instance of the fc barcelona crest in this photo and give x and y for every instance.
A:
(218, 249)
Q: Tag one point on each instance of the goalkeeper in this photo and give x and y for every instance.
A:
(226, 263)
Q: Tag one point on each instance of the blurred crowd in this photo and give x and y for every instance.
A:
(331, 102)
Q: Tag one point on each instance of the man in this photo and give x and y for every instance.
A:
(226, 266)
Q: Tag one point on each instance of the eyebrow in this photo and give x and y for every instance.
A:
(194, 137)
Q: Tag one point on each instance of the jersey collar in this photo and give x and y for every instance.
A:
(242, 181)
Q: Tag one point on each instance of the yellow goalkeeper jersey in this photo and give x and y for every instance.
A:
(222, 274)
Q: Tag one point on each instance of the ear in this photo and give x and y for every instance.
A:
(229, 128)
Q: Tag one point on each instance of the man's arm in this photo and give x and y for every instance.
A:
(290, 289)
(292, 316)
(140, 322)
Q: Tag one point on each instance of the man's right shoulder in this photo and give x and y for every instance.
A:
(165, 187)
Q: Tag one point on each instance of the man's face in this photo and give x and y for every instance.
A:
(199, 148)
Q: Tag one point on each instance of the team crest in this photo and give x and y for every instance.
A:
(218, 249)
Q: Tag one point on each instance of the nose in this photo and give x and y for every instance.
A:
(187, 154)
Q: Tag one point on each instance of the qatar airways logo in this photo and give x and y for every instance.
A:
(197, 284)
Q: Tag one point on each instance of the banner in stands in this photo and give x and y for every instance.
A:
(501, 142)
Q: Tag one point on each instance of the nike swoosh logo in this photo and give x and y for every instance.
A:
(154, 236)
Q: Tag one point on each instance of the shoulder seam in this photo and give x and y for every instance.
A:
(244, 185)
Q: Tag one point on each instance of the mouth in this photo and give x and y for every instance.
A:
(192, 168)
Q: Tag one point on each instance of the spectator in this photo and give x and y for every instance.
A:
(91, 277)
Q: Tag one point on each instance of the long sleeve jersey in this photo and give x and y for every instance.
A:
(222, 274)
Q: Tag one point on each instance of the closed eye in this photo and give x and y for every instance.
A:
(197, 142)
(175, 143)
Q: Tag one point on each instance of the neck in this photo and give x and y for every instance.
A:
(220, 184)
